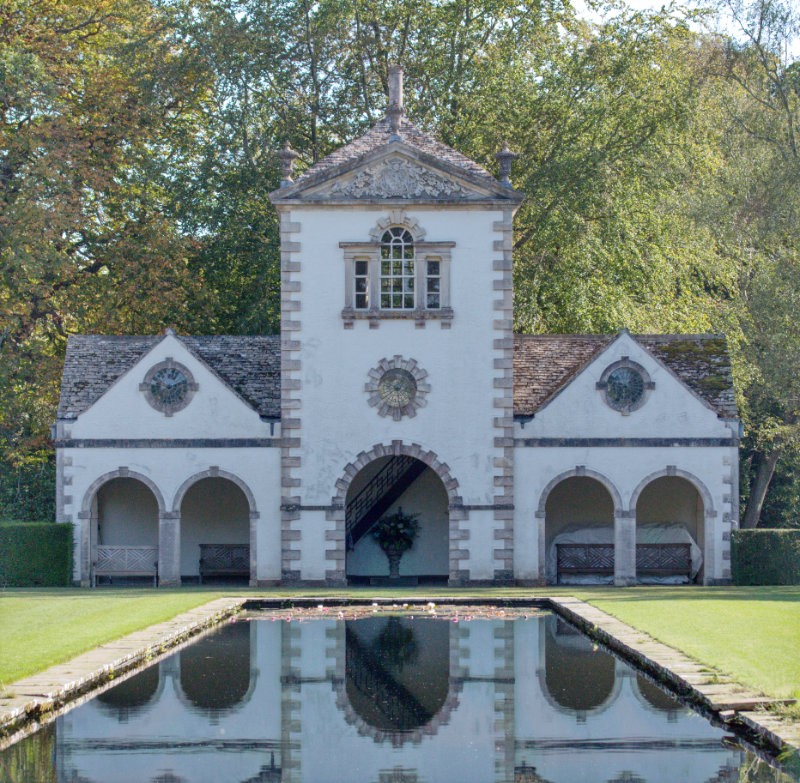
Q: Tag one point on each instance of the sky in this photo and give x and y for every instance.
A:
(656, 5)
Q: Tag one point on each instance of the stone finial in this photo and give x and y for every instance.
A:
(395, 109)
(505, 158)
(288, 156)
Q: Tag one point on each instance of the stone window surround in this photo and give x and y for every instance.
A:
(168, 409)
(627, 362)
(371, 253)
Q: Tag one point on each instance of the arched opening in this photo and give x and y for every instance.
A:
(215, 532)
(579, 677)
(579, 532)
(670, 534)
(130, 696)
(215, 672)
(397, 671)
(657, 699)
(378, 490)
(124, 531)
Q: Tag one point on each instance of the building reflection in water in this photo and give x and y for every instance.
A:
(384, 700)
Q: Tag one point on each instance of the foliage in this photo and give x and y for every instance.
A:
(31, 759)
(35, 554)
(765, 557)
(660, 169)
(396, 531)
(396, 644)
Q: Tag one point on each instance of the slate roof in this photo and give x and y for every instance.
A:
(545, 364)
(379, 136)
(248, 365)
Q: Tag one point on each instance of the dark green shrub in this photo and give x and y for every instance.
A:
(35, 554)
(765, 557)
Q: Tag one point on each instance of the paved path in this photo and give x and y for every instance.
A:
(35, 697)
(731, 702)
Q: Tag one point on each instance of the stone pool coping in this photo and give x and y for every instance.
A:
(38, 698)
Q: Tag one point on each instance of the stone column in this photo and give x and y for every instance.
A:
(84, 547)
(253, 548)
(169, 549)
(624, 548)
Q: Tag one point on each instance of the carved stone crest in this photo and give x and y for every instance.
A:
(398, 178)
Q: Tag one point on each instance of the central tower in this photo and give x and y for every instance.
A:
(396, 338)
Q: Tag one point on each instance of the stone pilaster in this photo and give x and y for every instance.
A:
(291, 399)
(169, 549)
(503, 378)
(624, 548)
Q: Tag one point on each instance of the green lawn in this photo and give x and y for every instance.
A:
(750, 633)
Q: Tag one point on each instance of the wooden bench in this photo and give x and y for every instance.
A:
(224, 560)
(598, 560)
(125, 561)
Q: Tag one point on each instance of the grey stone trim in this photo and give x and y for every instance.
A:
(484, 507)
(457, 511)
(625, 407)
(167, 443)
(291, 401)
(419, 315)
(672, 470)
(503, 383)
(214, 472)
(409, 366)
(625, 442)
(168, 408)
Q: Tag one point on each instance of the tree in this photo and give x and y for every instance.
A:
(756, 225)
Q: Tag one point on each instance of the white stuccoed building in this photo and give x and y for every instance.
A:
(397, 381)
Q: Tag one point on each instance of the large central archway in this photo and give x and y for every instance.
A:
(383, 480)
(386, 485)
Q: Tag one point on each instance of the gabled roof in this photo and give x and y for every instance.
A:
(409, 165)
(545, 364)
(380, 135)
(250, 366)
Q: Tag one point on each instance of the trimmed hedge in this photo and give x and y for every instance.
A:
(35, 554)
(765, 557)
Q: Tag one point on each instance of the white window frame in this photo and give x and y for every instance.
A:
(370, 252)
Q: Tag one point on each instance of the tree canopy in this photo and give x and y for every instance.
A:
(137, 145)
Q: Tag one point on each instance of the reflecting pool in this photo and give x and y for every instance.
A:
(385, 699)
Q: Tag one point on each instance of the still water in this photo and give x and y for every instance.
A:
(385, 700)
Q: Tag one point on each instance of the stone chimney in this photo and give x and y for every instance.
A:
(395, 110)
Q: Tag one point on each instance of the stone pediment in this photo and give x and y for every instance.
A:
(397, 177)
(400, 175)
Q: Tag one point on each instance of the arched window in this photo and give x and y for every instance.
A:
(397, 269)
(397, 275)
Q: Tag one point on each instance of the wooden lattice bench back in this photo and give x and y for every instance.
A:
(125, 561)
(224, 560)
(598, 560)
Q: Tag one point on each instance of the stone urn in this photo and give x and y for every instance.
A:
(395, 535)
(393, 555)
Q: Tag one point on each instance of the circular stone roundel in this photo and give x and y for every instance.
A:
(397, 387)
(625, 385)
(168, 387)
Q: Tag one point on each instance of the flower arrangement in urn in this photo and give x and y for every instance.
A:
(395, 534)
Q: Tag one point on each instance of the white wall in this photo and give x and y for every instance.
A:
(214, 411)
(168, 469)
(623, 469)
(458, 422)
